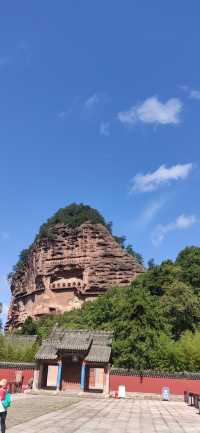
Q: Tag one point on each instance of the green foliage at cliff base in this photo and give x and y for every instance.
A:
(14, 352)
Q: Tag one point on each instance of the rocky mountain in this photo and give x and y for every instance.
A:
(59, 274)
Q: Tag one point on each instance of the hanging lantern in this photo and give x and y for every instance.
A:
(75, 358)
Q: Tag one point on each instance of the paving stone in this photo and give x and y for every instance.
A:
(113, 416)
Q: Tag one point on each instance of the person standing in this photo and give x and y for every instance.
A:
(5, 402)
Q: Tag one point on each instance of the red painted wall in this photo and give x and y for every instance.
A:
(154, 385)
(10, 374)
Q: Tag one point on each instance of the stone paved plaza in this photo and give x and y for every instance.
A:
(102, 416)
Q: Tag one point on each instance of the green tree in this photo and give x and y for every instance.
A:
(188, 352)
(2, 354)
(137, 331)
(1, 309)
(120, 240)
(133, 253)
(73, 215)
(151, 263)
(189, 260)
(23, 257)
(158, 278)
(134, 316)
(29, 327)
(182, 308)
(155, 321)
(14, 352)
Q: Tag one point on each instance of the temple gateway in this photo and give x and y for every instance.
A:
(73, 360)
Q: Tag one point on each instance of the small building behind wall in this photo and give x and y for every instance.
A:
(73, 360)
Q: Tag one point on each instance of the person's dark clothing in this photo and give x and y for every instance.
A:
(3, 421)
(3, 415)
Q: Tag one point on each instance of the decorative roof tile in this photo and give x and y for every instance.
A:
(95, 346)
(75, 341)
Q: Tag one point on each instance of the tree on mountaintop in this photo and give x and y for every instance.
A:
(73, 215)
(133, 253)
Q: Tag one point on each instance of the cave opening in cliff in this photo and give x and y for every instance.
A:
(71, 279)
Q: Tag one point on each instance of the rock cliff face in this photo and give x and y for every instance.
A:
(59, 275)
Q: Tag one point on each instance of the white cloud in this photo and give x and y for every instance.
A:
(4, 296)
(97, 99)
(153, 111)
(75, 106)
(194, 94)
(92, 101)
(184, 88)
(88, 108)
(182, 222)
(3, 283)
(4, 313)
(62, 114)
(151, 181)
(151, 211)
(21, 52)
(104, 128)
(5, 309)
(191, 93)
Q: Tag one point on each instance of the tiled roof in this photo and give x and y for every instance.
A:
(96, 346)
(102, 338)
(57, 333)
(98, 354)
(75, 340)
(17, 365)
(47, 351)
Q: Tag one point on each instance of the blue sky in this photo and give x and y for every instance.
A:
(100, 103)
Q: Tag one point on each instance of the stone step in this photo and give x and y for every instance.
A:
(93, 395)
(69, 393)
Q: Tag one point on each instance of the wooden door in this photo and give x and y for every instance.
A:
(71, 375)
(96, 378)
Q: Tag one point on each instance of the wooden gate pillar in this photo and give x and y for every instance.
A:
(107, 381)
(36, 377)
(59, 376)
(83, 376)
